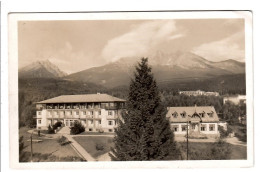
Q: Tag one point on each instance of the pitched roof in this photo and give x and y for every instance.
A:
(82, 99)
(194, 111)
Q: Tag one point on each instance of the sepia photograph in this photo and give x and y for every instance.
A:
(152, 86)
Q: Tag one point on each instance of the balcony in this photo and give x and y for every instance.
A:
(93, 117)
(112, 117)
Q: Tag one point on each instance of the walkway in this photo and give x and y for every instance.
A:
(79, 149)
(235, 141)
(64, 130)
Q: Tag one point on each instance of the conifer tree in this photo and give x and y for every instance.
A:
(144, 132)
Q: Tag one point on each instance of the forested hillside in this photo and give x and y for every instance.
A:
(32, 90)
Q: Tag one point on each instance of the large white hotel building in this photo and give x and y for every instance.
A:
(95, 111)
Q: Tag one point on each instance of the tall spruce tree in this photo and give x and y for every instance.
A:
(144, 132)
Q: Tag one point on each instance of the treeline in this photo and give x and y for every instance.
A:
(34, 90)
(226, 84)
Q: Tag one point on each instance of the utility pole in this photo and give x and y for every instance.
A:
(187, 139)
(31, 148)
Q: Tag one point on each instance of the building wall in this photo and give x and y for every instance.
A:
(48, 117)
(207, 128)
(235, 100)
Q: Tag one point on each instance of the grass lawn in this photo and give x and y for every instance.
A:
(201, 151)
(89, 143)
(47, 148)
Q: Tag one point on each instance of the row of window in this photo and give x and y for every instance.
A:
(82, 105)
(91, 122)
(109, 130)
(183, 115)
(203, 127)
(110, 113)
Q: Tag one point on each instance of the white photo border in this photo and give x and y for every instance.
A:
(13, 19)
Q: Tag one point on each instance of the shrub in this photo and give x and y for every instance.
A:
(63, 141)
(21, 144)
(77, 128)
(56, 125)
(242, 134)
(221, 150)
(99, 146)
(50, 130)
(224, 133)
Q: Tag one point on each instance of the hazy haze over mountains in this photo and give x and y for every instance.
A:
(165, 66)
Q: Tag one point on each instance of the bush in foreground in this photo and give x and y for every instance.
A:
(63, 141)
(77, 128)
(56, 125)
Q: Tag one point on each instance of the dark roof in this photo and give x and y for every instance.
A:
(192, 111)
(82, 99)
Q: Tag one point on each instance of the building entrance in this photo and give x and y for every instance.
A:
(69, 122)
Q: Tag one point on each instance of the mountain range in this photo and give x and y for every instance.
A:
(167, 67)
(41, 69)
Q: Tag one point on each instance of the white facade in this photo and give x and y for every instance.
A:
(204, 128)
(199, 93)
(98, 116)
(235, 99)
(200, 120)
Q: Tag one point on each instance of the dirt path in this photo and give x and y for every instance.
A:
(235, 141)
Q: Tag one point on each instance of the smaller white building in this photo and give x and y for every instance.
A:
(235, 99)
(199, 120)
(199, 93)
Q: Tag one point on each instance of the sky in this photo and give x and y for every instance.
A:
(78, 45)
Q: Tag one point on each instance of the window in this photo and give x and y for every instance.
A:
(99, 121)
(110, 122)
(90, 129)
(110, 130)
(210, 115)
(110, 113)
(175, 115)
(175, 128)
(39, 113)
(212, 127)
(84, 112)
(77, 113)
(39, 121)
(91, 113)
(202, 115)
(203, 128)
(183, 115)
(99, 112)
(183, 128)
(91, 121)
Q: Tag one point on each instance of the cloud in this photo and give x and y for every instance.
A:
(140, 40)
(231, 47)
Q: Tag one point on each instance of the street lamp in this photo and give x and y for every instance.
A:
(187, 135)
